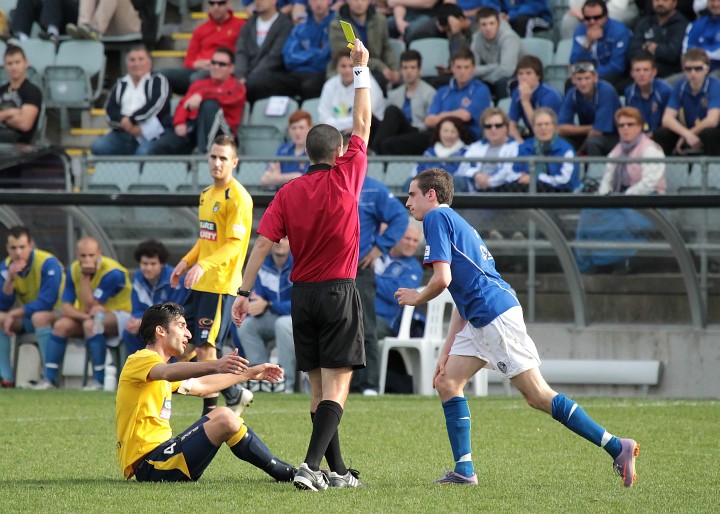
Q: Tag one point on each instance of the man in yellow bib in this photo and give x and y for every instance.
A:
(214, 265)
(32, 281)
(95, 303)
(145, 446)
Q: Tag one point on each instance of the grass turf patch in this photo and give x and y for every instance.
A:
(57, 451)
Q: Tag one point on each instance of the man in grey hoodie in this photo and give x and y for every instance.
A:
(496, 47)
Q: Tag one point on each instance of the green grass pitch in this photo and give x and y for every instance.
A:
(57, 454)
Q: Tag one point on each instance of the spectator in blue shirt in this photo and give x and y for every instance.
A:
(150, 285)
(383, 220)
(306, 55)
(30, 291)
(703, 33)
(527, 16)
(395, 269)
(552, 177)
(531, 92)
(594, 102)
(691, 119)
(279, 173)
(647, 94)
(601, 40)
(269, 315)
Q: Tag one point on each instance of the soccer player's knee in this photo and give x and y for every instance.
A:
(226, 420)
(41, 319)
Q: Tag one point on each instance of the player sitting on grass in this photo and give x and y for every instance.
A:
(145, 445)
(486, 329)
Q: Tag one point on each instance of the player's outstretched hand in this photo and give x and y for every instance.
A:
(360, 54)
(269, 372)
(232, 363)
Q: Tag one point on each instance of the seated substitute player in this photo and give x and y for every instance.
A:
(150, 286)
(146, 448)
(32, 282)
(486, 329)
(95, 286)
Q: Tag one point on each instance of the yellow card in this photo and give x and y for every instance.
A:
(349, 34)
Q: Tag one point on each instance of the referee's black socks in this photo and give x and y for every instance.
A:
(324, 439)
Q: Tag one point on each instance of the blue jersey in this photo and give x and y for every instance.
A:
(378, 206)
(609, 53)
(392, 273)
(479, 293)
(474, 97)
(307, 48)
(652, 107)
(705, 33)
(145, 295)
(37, 287)
(542, 96)
(598, 112)
(112, 284)
(693, 108)
(273, 284)
(288, 150)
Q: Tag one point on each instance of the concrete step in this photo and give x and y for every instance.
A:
(80, 137)
(181, 40)
(168, 59)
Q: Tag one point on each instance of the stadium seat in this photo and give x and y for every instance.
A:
(435, 52)
(376, 170)
(397, 174)
(557, 73)
(249, 173)
(562, 52)
(68, 83)
(311, 106)
(39, 53)
(162, 176)
(539, 47)
(420, 353)
(112, 176)
(258, 115)
(259, 140)
(504, 104)
(398, 46)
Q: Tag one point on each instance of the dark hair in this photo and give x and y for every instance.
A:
(445, 10)
(487, 12)
(411, 55)
(321, 143)
(139, 48)
(343, 52)
(18, 231)
(459, 125)
(226, 51)
(463, 53)
(643, 57)
(158, 315)
(14, 50)
(533, 63)
(224, 140)
(151, 248)
(696, 54)
(595, 3)
(439, 180)
(300, 115)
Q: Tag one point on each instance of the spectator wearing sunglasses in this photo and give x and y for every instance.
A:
(691, 119)
(601, 40)
(195, 115)
(625, 11)
(220, 30)
(703, 33)
(594, 102)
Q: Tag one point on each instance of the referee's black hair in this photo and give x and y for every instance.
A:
(321, 143)
(159, 315)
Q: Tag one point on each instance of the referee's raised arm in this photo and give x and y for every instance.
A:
(362, 109)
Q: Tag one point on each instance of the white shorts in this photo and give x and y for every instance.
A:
(122, 318)
(504, 344)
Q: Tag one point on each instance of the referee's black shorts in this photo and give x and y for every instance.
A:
(327, 325)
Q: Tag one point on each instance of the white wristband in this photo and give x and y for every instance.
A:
(362, 77)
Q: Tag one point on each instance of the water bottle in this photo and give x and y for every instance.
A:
(99, 323)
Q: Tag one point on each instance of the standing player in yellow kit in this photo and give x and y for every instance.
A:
(215, 264)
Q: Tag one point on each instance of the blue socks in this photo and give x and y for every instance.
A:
(54, 354)
(96, 345)
(457, 421)
(570, 414)
(6, 371)
(43, 334)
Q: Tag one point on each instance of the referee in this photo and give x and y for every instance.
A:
(319, 213)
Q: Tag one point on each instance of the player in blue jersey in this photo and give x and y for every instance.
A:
(487, 329)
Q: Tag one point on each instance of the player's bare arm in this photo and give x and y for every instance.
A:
(231, 363)
(440, 279)
(215, 383)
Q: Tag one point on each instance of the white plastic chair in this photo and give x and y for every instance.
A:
(420, 353)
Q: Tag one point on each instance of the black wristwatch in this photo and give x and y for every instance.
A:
(243, 292)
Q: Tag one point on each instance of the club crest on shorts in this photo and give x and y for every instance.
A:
(502, 367)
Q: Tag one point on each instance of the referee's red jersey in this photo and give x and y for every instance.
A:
(319, 213)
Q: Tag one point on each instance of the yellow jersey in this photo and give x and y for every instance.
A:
(29, 288)
(113, 302)
(225, 215)
(142, 409)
